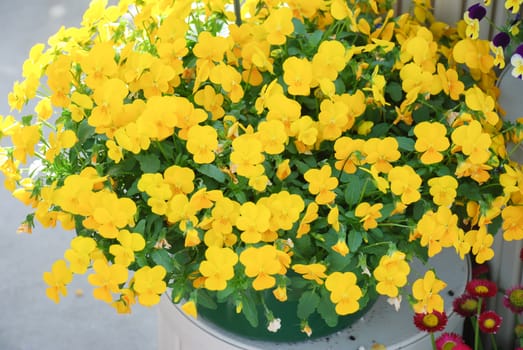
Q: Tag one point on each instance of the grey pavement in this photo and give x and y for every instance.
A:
(28, 319)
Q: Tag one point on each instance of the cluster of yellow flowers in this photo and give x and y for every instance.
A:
(313, 148)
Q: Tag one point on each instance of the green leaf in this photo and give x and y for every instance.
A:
(140, 259)
(213, 172)
(327, 311)
(250, 311)
(140, 226)
(315, 38)
(338, 262)
(380, 130)
(307, 304)
(85, 131)
(495, 225)
(418, 210)
(353, 190)
(421, 114)
(163, 258)
(26, 120)
(354, 240)
(470, 191)
(204, 299)
(302, 167)
(225, 293)
(304, 246)
(405, 143)
(149, 163)
(442, 170)
(394, 90)
(128, 164)
(299, 27)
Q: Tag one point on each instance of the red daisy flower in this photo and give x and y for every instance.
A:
(513, 299)
(480, 271)
(482, 288)
(430, 321)
(450, 341)
(466, 305)
(489, 322)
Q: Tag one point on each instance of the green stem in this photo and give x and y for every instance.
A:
(341, 169)
(374, 245)
(476, 325)
(49, 125)
(433, 341)
(476, 334)
(493, 340)
(363, 190)
(391, 224)
(162, 150)
(515, 148)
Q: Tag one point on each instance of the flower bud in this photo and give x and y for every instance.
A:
(519, 330)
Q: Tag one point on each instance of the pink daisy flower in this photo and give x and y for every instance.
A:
(489, 322)
(430, 322)
(466, 305)
(513, 299)
(450, 341)
(482, 288)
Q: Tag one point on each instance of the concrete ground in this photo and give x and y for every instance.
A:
(28, 319)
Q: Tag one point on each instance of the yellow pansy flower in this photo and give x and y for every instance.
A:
(218, 267)
(261, 264)
(321, 184)
(56, 279)
(391, 274)
(368, 214)
(314, 272)
(107, 278)
(149, 284)
(79, 255)
(345, 293)
(297, 74)
(405, 182)
(431, 141)
(425, 290)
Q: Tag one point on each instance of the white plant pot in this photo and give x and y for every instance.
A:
(381, 325)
